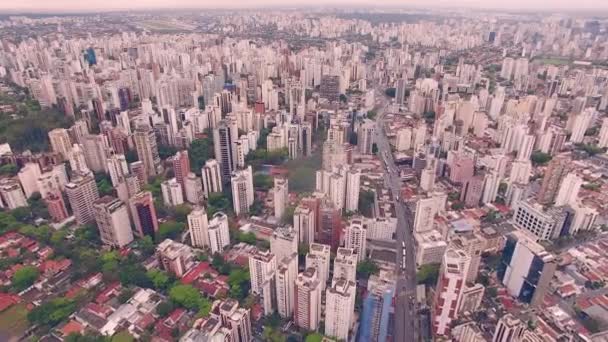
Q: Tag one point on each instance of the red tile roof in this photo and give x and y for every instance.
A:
(7, 300)
(195, 272)
(72, 327)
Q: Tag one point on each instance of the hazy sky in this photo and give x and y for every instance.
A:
(79, 5)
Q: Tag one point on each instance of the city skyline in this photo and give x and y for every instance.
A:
(117, 5)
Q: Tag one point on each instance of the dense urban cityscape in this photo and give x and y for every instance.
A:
(313, 174)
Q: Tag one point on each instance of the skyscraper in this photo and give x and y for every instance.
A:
(262, 267)
(319, 257)
(172, 192)
(568, 190)
(376, 308)
(147, 150)
(60, 142)
(242, 190)
(144, 214)
(330, 225)
(451, 283)
(112, 218)
(198, 226)
(212, 177)
(193, 188)
(307, 311)
(556, 171)
(96, 152)
(355, 238)
(224, 138)
(365, 136)
(280, 196)
(339, 309)
(345, 265)
(219, 235)
(181, 167)
(286, 274)
(526, 268)
(82, 193)
(304, 224)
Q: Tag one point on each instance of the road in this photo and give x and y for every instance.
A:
(406, 318)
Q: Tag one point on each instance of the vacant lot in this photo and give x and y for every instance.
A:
(13, 322)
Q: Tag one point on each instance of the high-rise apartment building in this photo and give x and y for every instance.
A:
(143, 213)
(172, 192)
(118, 168)
(212, 177)
(307, 310)
(60, 142)
(82, 193)
(198, 225)
(96, 151)
(225, 136)
(339, 309)
(319, 257)
(355, 237)
(556, 171)
(175, 257)
(28, 176)
(11, 194)
(280, 196)
(262, 268)
(56, 206)
(283, 242)
(304, 224)
(112, 217)
(181, 167)
(450, 286)
(365, 136)
(353, 186)
(287, 271)
(508, 329)
(345, 265)
(568, 190)
(219, 234)
(193, 188)
(147, 150)
(330, 225)
(526, 268)
(242, 190)
(377, 305)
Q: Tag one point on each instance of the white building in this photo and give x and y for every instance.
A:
(345, 265)
(426, 209)
(198, 225)
(339, 309)
(430, 247)
(568, 190)
(28, 176)
(284, 242)
(112, 217)
(356, 236)
(262, 267)
(219, 234)
(11, 194)
(194, 188)
(212, 177)
(280, 196)
(172, 192)
(318, 257)
(304, 224)
(451, 284)
(242, 190)
(287, 272)
(353, 180)
(307, 309)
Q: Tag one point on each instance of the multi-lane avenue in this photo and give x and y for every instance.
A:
(406, 319)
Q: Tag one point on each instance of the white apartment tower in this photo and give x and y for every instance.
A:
(307, 309)
(568, 190)
(172, 192)
(219, 234)
(318, 257)
(212, 177)
(112, 217)
(280, 196)
(355, 239)
(304, 224)
(287, 272)
(198, 225)
(339, 309)
(242, 190)
(345, 265)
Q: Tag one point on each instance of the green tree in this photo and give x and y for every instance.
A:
(239, 281)
(9, 170)
(314, 338)
(366, 268)
(262, 182)
(186, 296)
(159, 279)
(428, 274)
(24, 277)
(287, 217)
(180, 212)
(390, 92)
(246, 237)
(540, 158)
(170, 230)
(371, 114)
(165, 308)
(200, 151)
(52, 312)
(366, 202)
